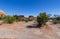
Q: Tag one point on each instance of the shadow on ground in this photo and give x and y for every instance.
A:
(32, 26)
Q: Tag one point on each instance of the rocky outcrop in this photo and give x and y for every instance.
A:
(2, 13)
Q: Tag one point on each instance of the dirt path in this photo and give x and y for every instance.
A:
(19, 31)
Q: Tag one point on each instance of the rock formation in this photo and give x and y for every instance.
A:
(2, 13)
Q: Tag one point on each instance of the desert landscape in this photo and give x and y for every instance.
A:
(20, 31)
(29, 19)
(20, 27)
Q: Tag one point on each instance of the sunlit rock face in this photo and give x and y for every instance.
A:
(2, 13)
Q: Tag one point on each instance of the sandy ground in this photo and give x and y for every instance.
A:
(20, 31)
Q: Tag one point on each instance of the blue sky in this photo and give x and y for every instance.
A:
(30, 7)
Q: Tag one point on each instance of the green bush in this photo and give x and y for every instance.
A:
(56, 20)
(1, 17)
(42, 19)
(26, 20)
(9, 19)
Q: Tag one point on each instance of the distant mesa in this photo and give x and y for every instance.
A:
(2, 13)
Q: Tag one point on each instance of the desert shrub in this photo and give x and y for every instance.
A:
(1, 17)
(19, 18)
(16, 16)
(30, 20)
(26, 20)
(9, 19)
(56, 19)
(42, 19)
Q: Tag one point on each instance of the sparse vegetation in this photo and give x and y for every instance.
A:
(9, 19)
(18, 18)
(1, 17)
(42, 19)
(56, 19)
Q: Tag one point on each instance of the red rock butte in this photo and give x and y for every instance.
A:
(2, 13)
